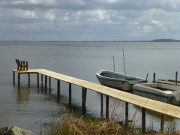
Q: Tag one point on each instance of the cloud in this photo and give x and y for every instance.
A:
(50, 16)
(96, 15)
(103, 19)
(147, 28)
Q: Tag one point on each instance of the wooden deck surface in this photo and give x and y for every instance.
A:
(147, 103)
(170, 82)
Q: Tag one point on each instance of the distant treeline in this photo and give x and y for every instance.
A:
(165, 40)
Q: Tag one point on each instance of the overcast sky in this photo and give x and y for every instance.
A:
(89, 20)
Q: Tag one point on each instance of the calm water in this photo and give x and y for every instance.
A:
(29, 108)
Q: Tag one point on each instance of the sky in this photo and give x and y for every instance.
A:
(89, 20)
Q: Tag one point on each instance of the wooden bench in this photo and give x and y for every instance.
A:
(22, 65)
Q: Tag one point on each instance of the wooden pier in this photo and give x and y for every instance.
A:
(142, 102)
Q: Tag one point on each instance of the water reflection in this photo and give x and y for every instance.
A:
(22, 95)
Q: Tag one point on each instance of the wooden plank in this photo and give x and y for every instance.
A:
(170, 82)
(146, 103)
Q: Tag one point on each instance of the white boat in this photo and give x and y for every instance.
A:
(160, 89)
(118, 80)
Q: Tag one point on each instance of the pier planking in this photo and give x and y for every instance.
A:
(157, 106)
(170, 82)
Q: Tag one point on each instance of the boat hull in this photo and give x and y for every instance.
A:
(117, 80)
(170, 92)
(154, 88)
(121, 85)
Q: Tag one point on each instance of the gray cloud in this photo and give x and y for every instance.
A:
(89, 19)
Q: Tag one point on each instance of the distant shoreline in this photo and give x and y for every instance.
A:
(155, 40)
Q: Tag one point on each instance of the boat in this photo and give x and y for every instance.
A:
(171, 92)
(118, 80)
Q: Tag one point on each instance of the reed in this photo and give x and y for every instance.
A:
(73, 124)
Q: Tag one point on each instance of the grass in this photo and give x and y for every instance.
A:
(89, 126)
(98, 126)
(72, 124)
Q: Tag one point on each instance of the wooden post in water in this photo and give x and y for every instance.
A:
(101, 104)
(113, 63)
(18, 79)
(147, 76)
(143, 120)
(70, 94)
(58, 88)
(126, 114)
(49, 84)
(84, 91)
(107, 107)
(37, 80)
(42, 79)
(124, 62)
(154, 77)
(14, 78)
(162, 122)
(45, 84)
(28, 79)
(176, 77)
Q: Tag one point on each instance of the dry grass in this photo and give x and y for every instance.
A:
(88, 126)
(73, 125)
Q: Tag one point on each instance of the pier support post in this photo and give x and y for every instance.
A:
(42, 79)
(126, 114)
(49, 85)
(154, 77)
(107, 107)
(70, 94)
(143, 120)
(176, 77)
(113, 64)
(18, 79)
(37, 80)
(28, 79)
(13, 78)
(84, 91)
(162, 122)
(101, 104)
(45, 84)
(58, 89)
